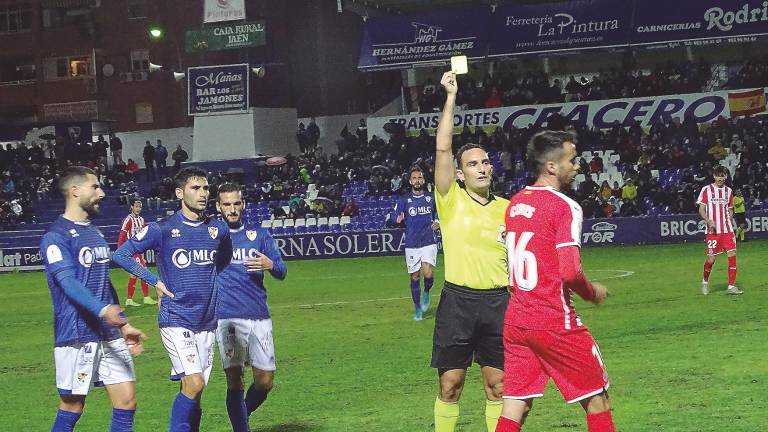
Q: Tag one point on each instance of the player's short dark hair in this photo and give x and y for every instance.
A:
(466, 147)
(543, 144)
(720, 171)
(182, 177)
(414, 169)
(229, 187)
(132, 201)
(71, 175)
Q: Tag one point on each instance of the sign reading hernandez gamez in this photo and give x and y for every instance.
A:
(395, 41)
(218, 89)
(226, 36)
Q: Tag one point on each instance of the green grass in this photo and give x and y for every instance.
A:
(678, 361)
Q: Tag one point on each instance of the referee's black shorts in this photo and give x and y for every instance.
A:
(741, 218)
(469, 326)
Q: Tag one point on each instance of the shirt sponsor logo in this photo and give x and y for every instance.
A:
(73, 233)
(420, 210)
(183, 258)
(521, 210)
(99, 255)
(175, 233)
(241, 254)
(142, 232)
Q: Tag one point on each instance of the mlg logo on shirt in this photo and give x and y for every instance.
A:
(183, 258)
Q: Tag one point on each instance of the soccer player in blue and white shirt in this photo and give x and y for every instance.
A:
(93, 340)
(244, 333)
(417, 210)
(191, 250)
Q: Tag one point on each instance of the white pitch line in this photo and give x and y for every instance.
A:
(623, 274)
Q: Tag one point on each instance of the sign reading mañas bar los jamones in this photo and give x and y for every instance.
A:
(397, 41)
(551, 27)
(218, 89)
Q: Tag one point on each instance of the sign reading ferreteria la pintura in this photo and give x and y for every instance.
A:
(227, 36)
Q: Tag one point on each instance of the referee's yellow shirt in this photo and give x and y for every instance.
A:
(473, 244)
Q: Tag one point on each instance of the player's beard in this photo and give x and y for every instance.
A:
(92, 209)
(236, 224)
(417, 188)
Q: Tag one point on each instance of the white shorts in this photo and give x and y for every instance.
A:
(81, 366)
(244, 341)
(415, 256)
(190, 352)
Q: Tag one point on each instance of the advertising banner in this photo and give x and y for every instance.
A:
(702, 22)
(226, 36)
(703, 107)
(218, 89)
(223, 10)
(595, 232)
(551, 27)
(398, 41)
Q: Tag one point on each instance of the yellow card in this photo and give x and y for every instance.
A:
(459, 65)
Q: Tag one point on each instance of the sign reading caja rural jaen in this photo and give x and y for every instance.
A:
(226, 36)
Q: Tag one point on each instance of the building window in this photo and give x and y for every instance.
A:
(144, 113)
(17, 69)
(15, 18)
(140, 60)
(59, 68)
(137, 9)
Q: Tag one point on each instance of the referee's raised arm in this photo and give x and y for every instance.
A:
(444, 170)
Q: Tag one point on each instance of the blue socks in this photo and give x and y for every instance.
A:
(65, 421)
(182, 413)
(416, 292)
(122, 420)
(194, 418)
(254, 398)
(238, 414)
(428, 284)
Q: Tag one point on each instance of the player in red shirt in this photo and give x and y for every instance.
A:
(716, 208)
(543, 335)
(132, 224)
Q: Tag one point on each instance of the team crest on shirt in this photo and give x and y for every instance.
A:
(429, 199)
(251, 234)
(175, 233)
(213, 232)
(82, 377)
(191, 358)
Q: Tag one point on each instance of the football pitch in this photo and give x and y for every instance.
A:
(350, 357)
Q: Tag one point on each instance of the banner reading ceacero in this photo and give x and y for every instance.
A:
(703, 107)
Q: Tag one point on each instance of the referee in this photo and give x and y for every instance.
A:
(470, 317)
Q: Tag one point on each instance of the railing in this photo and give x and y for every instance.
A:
(17, 82)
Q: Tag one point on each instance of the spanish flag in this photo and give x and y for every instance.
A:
(746, 102)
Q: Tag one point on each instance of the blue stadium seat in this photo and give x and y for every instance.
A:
(278, 230)
(289, 230)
